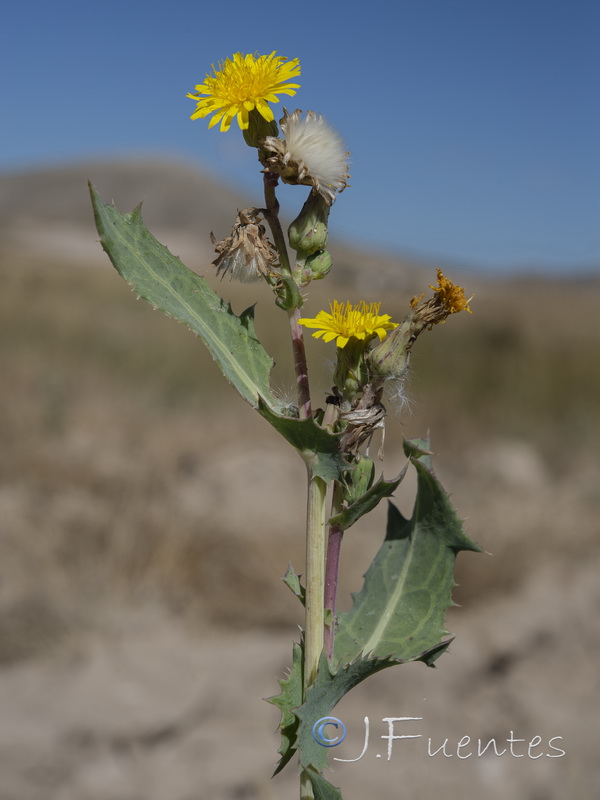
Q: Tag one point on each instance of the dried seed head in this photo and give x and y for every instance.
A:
(247, 255)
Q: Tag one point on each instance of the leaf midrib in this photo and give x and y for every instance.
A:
(384, 619)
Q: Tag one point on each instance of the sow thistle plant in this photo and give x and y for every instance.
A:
(398, 616)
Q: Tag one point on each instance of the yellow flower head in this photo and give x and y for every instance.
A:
(450, 296)
(345, 321)
(244, 83)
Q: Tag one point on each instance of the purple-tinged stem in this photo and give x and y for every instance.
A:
(300, 366)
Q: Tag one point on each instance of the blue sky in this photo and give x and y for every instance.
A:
(473, 126)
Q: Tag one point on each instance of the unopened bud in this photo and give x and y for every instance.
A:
(318, 265)
(258, 129)
(389, 359)
(308, 232)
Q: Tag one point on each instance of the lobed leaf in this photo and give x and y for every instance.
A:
(397, 617)
(322, 696)
(399, 612)
(328, 689)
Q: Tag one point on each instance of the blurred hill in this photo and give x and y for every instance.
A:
(146, 516)
(46, 213)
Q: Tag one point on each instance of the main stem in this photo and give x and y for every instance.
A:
(332, 569)
(316, 511)
(316, 538)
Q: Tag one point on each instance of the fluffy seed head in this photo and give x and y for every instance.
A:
(312, 154)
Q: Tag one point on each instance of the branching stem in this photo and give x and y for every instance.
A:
(272, 217)
(332, 569)
(271, 214)
(300, 365)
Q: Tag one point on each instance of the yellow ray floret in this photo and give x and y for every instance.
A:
(344, 321)
(243, 83)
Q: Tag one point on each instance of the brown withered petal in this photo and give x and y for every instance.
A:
(247, 254)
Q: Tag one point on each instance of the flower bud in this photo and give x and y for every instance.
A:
(258, 129)
(389, 358)
(318, 265)
(308, 232)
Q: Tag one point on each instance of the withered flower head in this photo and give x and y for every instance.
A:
(247, 255)
(311, 154)
(390, 359)
(447, 299)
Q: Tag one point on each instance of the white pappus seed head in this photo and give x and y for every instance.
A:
(312, 153)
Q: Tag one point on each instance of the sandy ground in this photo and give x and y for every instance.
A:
(143, 532)
(146, 710)
(106, 694)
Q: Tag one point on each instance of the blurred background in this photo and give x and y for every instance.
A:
(147, 516)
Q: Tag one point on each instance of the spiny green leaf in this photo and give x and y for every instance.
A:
(369, 500)
(319, 448)
(321, 698)
(328, 689)
(399, 612)
(288, 700)
(161, 279)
